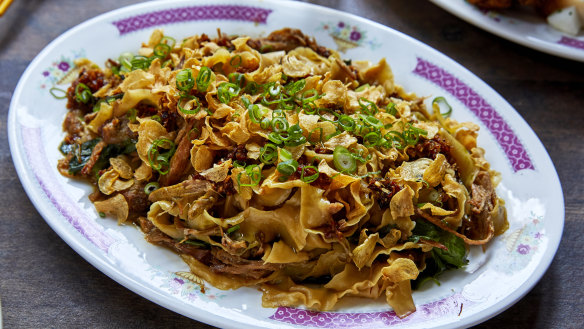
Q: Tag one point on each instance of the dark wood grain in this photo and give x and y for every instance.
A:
(44, 283)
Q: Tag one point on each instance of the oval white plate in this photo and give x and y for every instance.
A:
(520, 26)
(493, 280)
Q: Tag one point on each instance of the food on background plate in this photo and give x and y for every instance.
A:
(563, 15)
(272, 162)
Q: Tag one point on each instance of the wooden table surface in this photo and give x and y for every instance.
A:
(44, 283)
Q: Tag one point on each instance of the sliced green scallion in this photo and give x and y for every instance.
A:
(58, 90)
(194, 110)
(185, 81)
(204, 78)
(232, 229)
(226, 91)
(235, 61)
(268, 153)
(253, 172)
(440, 102)
(343, 160)
(311, 178)
(83, 93)
(151, 187)
(161, 161)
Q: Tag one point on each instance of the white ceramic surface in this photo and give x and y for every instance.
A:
(492, 281)
(522, 26)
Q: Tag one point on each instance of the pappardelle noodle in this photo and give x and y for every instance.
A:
(272, 162)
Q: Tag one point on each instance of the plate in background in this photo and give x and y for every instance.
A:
(521, 26)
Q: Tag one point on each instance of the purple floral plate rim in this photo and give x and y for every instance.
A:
(513, 148)
(39, 165)
(192, 13)
(446, 307)
(571, 42)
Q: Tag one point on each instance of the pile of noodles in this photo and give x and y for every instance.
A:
(198, 180)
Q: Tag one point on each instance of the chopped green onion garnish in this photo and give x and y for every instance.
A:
(197, 243)
(185, 81)
(161, 50)
(371, 139)
(437, 103)
(311, 178)
(287, 168)
(132, 113)
(293, 88)
(285, 155)
(161, 161)
(194, 110)
(266, 123)
(254, 172)
(236, 78)
(279, 124)
(125, 60)
(151, 187)
(226, 91)
(412, 134)
(59, 90)
(343, 160)
(238, 164)
(140, 63)
(170, 41)
(235, 61)
(367, 106)
(347, 123)
(310, 96)
(275, 138)
(396, 139)
(268, 153)
(371, 121)
(83, 93)
(204, 78)
(232, 229)
(391, 109)
(255, 112)
(362, 87)
(251, 87)
(275, 90)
